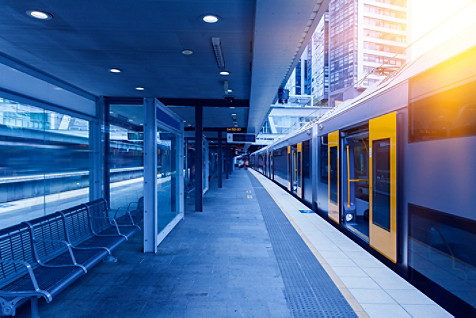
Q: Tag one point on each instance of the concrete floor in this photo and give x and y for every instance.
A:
(216, 263)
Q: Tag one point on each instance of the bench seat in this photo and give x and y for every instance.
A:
(81, 235)
(104, 224)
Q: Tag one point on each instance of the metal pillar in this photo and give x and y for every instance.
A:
(96, 175)
(231, 160)
(227, 168)
(198, 158)
(150, 176)
(220, 162)
(107, 151)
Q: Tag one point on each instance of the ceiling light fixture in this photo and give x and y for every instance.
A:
(230, 90)
(187, 52)
(220, 58)
(140, 88)
(224, 73)
(40, 15)
(115, 70)
(233, 114)
(209, 18)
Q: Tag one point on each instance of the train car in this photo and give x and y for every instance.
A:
(395, 169)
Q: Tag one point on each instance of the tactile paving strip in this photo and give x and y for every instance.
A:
(310, 292)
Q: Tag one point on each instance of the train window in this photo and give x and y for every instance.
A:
(306, 161)
(323, 163)
(381, 183)
(334, 167)
(441, 247)
(448, 114)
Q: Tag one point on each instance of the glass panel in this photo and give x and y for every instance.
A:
(324, 163)
(126, 157)
(334, 167)
(67, 149)
(381, 183)
(441, 247)
(166, 178)
(44, 162)
(448, 114)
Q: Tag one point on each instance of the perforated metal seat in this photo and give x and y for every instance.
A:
(80, 233)
(52, 247)
(103, 224)
(22, 277)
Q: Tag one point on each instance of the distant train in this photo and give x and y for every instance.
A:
(395, 169)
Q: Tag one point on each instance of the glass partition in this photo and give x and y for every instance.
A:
(125, 161)
(44, 162)
(167, 182)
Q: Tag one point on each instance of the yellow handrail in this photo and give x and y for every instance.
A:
(348, 178)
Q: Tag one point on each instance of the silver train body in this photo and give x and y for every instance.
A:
(395, 169)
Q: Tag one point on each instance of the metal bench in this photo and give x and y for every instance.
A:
(53, 247)
(133, 215)
(80, 232)
(103, 224)
(24, 277)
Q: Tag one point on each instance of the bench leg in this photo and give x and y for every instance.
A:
(34, 307)
(110, 259)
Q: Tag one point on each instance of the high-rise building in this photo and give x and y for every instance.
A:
(299, 82)
(320, 62)
(363, 35)
(353, 39)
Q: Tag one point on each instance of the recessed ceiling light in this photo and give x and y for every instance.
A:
(230, 90)
(115, 70)
(140, 88)
(210, 18)
(187, 52)
(39, 14)
(224, 73)
(233, 114)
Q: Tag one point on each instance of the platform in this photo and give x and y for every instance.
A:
(251, 253)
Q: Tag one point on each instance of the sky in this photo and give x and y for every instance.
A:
(425, 15)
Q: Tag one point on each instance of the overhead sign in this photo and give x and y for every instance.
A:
(239, 138)
(235, 129)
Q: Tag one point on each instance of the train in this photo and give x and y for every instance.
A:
(395, 170)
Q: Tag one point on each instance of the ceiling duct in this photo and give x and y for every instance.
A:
(216, 44)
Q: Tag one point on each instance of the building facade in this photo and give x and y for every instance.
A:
(355, 45)
(364, 35)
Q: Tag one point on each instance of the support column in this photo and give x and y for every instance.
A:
(227, 168)
(198, 158)
(220, 161)
(231, 160)
(96, 167)
(150, 176)
(106, 175)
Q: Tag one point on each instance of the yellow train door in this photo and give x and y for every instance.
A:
(333, 175)
(383, 185)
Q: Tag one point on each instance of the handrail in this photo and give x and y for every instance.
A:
(348, 178)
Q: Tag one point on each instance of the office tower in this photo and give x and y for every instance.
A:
(320, 61)
(363, 35)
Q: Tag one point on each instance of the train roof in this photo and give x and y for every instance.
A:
(458, 44)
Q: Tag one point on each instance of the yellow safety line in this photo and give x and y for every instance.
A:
(358, 309)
